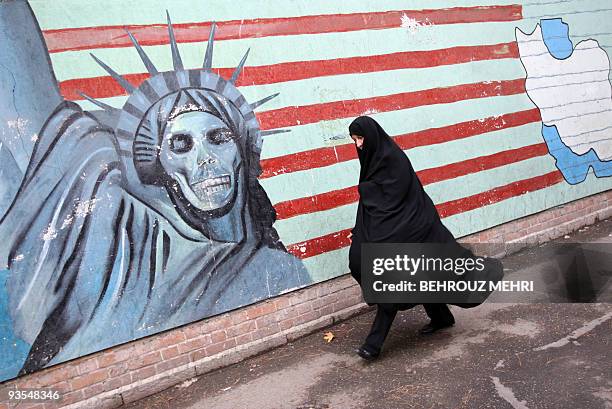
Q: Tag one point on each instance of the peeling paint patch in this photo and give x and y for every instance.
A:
(19, 124)
(340, 139)
(83, 208)
(370, 111)
(67, 222)
(184, 108)
(49, 234)
(503, 50)
(412, 24)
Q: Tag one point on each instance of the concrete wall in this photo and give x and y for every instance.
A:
(504, 110)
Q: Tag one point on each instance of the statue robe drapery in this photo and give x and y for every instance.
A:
(96, 260)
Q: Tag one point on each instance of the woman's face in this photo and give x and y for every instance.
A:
(358, 141)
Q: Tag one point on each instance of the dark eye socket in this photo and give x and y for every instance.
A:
(181, 143)
(219, 136)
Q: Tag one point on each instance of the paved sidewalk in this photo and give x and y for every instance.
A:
(496, 356)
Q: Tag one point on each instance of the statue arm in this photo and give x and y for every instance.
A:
(28, 86)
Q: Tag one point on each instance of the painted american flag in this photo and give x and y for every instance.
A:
(442, 77)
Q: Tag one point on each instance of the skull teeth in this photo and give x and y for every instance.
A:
(212, 185)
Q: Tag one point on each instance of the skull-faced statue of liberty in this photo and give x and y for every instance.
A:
(134, 220)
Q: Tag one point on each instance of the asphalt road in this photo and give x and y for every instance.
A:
(532, 354)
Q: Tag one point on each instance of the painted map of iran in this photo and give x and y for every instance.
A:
(571, 87)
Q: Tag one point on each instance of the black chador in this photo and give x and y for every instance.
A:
(393, 208)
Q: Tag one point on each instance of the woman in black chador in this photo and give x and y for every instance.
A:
(393, 208)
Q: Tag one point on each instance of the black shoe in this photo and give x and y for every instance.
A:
(366, 354)
(433, 327)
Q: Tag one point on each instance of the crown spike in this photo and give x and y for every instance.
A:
(273, 131)
(176, 56)
(238, 69)
(209, 48)
(264, 100)
(101, 104)
(122, 81)
(143, 56)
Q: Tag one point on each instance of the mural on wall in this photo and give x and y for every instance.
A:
(571, 87)
(118, 232)
(139, 193)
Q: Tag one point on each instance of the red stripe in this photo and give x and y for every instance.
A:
(466, 167)
(341, 197)
(82, 38)
(499, 194)
(327, 156)
(306, 114)
(338, 240)
(105, 86)
(320, 245)
(316, 203)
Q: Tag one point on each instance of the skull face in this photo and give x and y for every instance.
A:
(199, 152)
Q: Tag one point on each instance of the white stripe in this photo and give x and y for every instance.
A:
(282, 49)
(440, 154)
(328, 265)
(307, 226)
(479, 182)
(60, 13)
